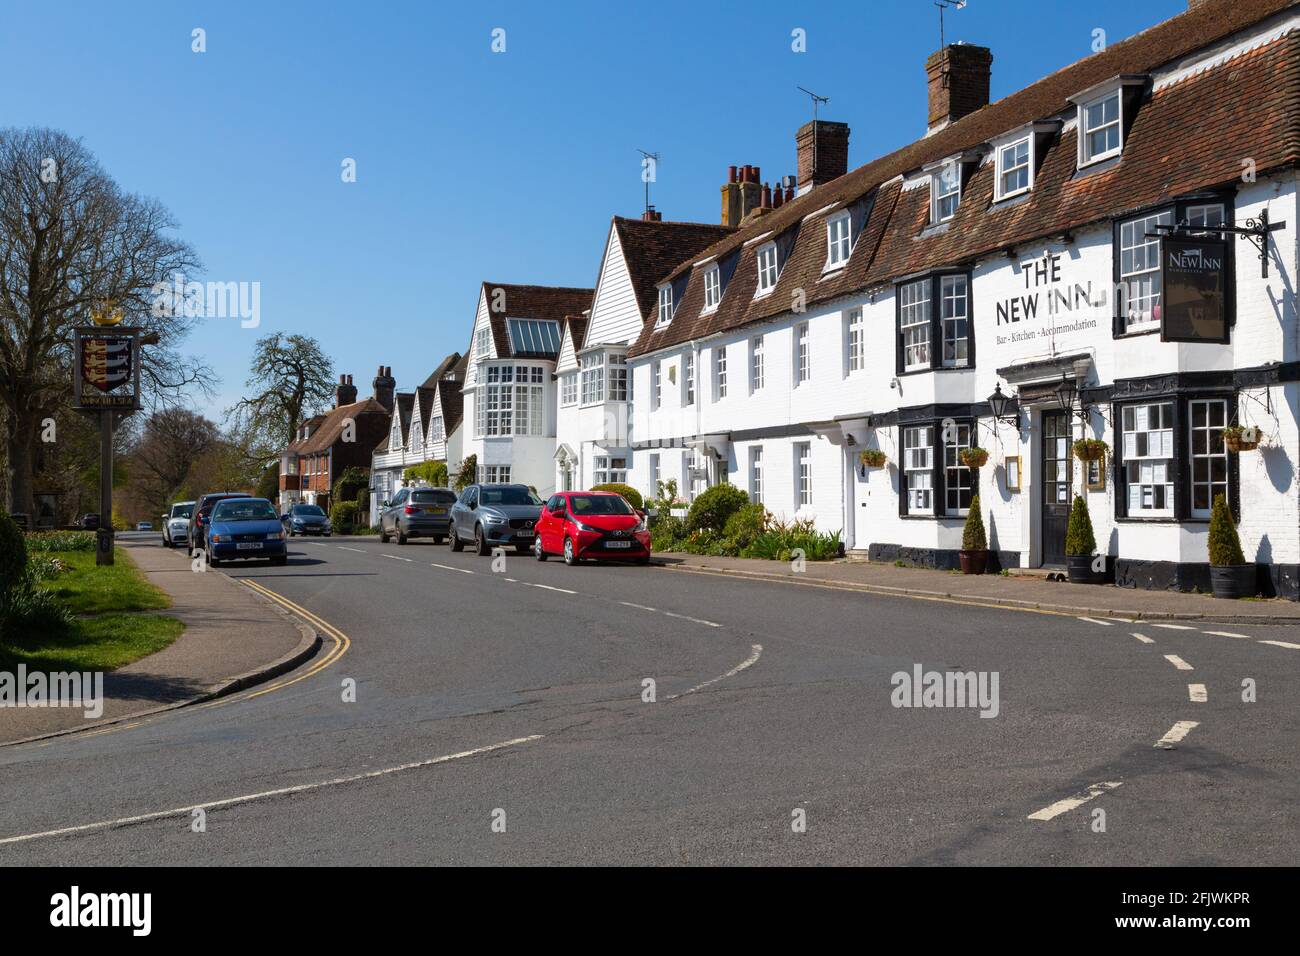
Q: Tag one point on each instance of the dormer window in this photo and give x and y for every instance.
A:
(767, 268)
(665, 305)
(945, 193)
(838, 239)
(1100, 136)
(712, 287)
(1015, 169)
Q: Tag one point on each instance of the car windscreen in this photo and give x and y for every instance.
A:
(314, 510)
(432, 496)
(182, 511)
(244, 509)
(599, 505)
(508, 496)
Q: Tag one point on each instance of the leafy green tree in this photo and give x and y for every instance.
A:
(432, 472)
(466, 473)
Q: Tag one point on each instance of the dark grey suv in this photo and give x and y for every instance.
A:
(417, 513)
(495, 515)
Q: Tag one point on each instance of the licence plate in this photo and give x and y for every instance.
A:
(247, 545)
(436, 511)
(618, 544)
(523, 534)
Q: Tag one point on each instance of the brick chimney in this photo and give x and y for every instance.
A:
(345, 393)
(822, 147)
(384, 386)
(741, 194)
(958, 78)
(651, 215)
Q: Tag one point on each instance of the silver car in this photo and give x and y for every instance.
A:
(495, 516)
(176, 523)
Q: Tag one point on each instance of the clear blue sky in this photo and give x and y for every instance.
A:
(471, 165)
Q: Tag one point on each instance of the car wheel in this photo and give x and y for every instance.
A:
(570, 552)
(481, 547)
(401, 537)
(456, 543)
(383, 535)
(538, 553)
(212, 562)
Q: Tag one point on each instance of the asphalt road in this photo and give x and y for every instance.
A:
(772, 704)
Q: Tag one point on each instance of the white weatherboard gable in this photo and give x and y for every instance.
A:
(615, 315)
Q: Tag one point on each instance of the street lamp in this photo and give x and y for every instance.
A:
(1065, 393)
(998, 405)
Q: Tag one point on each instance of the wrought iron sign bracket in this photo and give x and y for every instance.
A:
(1255, 231)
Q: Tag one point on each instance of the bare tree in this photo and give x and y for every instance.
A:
(170, 441)
(70, 240)
(290, 377)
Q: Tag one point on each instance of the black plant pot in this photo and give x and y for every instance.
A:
(1233, 580)
(973, 562)
(1078, 569)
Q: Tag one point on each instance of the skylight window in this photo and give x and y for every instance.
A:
(534, 336)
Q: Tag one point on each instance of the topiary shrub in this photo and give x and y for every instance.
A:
(743, 527)
(1225, 545)
(13, 554)
(1078, 537)
(627, 491)
(711, 509)
(973, 537)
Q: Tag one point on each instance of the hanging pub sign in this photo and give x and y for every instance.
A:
(1193, 300)
(106, 369)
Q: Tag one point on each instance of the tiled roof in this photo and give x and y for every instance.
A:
(1266, 78)
(577, 325)
(531, 302)
(654, 249)
(331, 428)
(450, 397)
(403, 402)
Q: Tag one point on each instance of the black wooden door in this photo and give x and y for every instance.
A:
(1058, 471)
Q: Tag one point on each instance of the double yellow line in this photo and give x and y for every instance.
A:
(341, 642)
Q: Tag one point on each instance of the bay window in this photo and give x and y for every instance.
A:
(608, 470)
(1147, 443)
(914, 324)
(593, 378)
(511, 402)
(618, 378)
(934, 323)
(918, 470)
(953, 303)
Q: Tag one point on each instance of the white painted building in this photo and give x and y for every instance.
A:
(1016, 247)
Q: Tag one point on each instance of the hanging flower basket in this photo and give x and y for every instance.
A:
(974, 457)
(1237, 438)
(872, 458)
(1090, 449)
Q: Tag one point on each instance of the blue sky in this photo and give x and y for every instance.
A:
(471, 165)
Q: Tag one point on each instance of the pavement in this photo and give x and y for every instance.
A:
(1011, 591)
(471, 711)
(232, 639)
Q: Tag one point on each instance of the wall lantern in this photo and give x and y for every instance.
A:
(998, 405)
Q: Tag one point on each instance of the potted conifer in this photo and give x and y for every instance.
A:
(1231, 576)
(974, 553)
(1080, 545)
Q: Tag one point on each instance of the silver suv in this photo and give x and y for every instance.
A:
(500, 515)
(417, 513)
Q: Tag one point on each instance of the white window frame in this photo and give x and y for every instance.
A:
(1209, 450)
(756, 474)
(719, 372)
(511, 401)
(482, 343)
(945, 185)
(839, 240)
(665, 305)
(1002, 169)
(802, 354)
(593, 378)
(769, 271)
(617, 387)
(569, 389)
(855, 342)
(918, 468)
(914, 316)
(436, 429)
(1086, 156)
(656, 384)
(803, 475)
(607, 469)
(954, 308)
(757, 371)
(1139, 268)
(712, 287)
(654, 474)
(1149, 462)
(688, 378)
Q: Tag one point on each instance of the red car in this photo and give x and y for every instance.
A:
(591, 524)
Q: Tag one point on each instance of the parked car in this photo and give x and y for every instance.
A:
(194, 536)
(242, 527)
(417, 513)
(495, 515)
(306, 519)
(89, 522)
(143, 526)
(591, 524)
(176, 523)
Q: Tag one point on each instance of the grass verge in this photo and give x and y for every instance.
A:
(87, 588)
(101, 643)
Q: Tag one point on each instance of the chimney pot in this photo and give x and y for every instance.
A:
(384, 387)
(345, 392)
(731, 174)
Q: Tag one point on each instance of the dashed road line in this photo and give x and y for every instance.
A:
(1093, 620)
(1228, 634)
(639, 607)
(1176, 733)
(693, 620)
(547, 587)
(393, 557)
(1294, 647)
(1174, 627)
(755, 652)
(344, 547)
(1070, 803)
(1178, 662)
(1197, 693)
(448, 567)
(1143, 638)
(267, 794)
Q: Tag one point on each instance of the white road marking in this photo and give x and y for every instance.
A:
(1121, 620)
(1294, 647)
(1176, 733)
(1197, 693)
(1143, 638)
(392, 557)
(1178, 662)
(448, 567)
(693, 620)
(1174, 627)
(1093, 620)
(344, 547)
(755, 652)
(315, 545)
(268, 794)
(547, 587)
(639, 607)
(1069, 803)
(1228, 634)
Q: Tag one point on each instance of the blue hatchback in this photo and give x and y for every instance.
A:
(241, 528)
